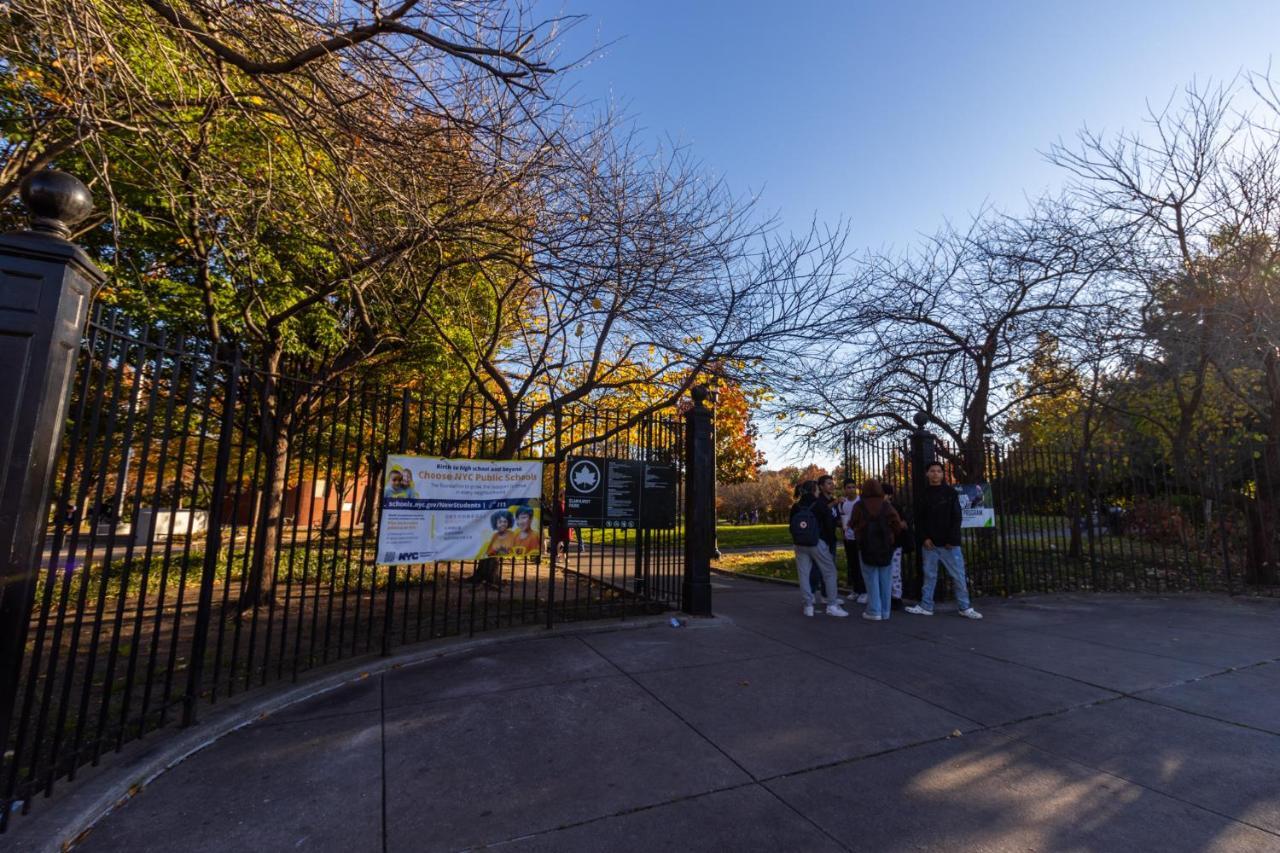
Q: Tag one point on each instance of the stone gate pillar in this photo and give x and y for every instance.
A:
(699, 505)
(46, 283)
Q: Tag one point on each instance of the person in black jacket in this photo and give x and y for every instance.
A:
(938, 533)
(829, 521)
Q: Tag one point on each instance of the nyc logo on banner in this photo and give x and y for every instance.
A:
(459, 509)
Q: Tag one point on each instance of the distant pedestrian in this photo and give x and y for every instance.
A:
(938, 532)
(876, 525)
(811, 550)
(844, 509)
(564, 534)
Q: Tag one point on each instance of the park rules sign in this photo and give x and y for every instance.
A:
(620, 493)
(459, 509)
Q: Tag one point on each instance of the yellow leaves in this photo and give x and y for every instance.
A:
(596, 303)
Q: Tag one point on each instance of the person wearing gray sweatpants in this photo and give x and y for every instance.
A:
(811, 550)
(808, 556)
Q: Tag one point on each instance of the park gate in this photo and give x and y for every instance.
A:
(1097, 519)
(182, 526)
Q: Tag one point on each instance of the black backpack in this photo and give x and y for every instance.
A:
(875, 544)
(804, 526)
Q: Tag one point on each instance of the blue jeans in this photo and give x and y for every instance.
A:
(954, 561)
(879, 581)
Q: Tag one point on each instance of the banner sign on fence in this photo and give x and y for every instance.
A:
(459, 509)
(976, 508)
(620, 493)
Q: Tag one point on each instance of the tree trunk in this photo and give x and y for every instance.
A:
(973, 454)
(1076, 508)
(1262, 564)
(372, 489)
(1261, 553)
(273, 439)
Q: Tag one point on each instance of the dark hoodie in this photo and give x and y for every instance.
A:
(938, 516)
(872, 502)
(825, 510)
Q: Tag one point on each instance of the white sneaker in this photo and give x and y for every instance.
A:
(862, 599)
(870, 616)
(836, 610)
(920, 611)
(970, 613)
(840, 601)
(808, 610)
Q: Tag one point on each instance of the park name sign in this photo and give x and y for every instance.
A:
(435, 508)
(619, 493)
(976, 506)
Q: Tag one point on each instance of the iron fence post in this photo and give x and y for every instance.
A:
(700, 508)
(847, 458)
(46, 284)
(389, 618)
(213, 544)
(557, 510)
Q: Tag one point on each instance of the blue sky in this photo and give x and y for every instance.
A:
(895, 116)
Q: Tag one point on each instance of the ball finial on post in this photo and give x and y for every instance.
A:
(921, 418)
(56, 202)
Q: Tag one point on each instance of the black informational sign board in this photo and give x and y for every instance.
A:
(619, 493)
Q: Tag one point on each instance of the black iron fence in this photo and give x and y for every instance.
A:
(1101, 519)
(213, 529)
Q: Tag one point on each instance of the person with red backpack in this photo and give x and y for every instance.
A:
(809, 522)
(876, 526)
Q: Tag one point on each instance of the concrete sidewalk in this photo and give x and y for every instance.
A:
(1059, 722)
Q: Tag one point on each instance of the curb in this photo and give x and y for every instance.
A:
(64, 822)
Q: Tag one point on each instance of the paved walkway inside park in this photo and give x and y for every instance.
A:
(1057, 723)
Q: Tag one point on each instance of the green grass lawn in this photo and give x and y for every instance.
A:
(727, 536)
(752, 535)
(772, 563)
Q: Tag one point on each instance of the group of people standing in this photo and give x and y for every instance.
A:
(876, 534)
